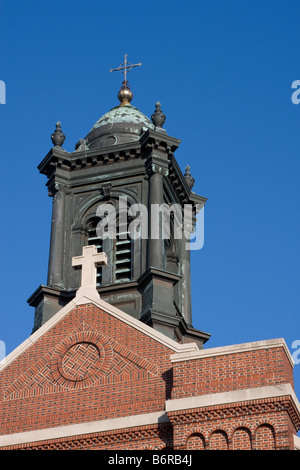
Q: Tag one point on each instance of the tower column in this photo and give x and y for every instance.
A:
(155, 255)
(186, 283)
(56, 256)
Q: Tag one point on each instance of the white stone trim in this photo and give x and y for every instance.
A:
(235, 396)
(91, 296)
(142, 327)
(232, 349)
(296, 442)
(61, 432)
(89, 260)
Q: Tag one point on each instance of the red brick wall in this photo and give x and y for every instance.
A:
(262, 424)
(243, 430)
(237, 371)
(125, 372)
(133, 377)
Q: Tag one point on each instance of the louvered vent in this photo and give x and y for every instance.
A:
(123, 258)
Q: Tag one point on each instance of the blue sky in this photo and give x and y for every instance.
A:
(222, 70)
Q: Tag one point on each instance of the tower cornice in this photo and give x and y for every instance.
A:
(148, 141)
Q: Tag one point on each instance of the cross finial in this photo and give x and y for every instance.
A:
(125, 67)
(125, 94)
(89, 261)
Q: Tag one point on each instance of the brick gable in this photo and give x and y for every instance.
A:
(91, 361)
(94, 377)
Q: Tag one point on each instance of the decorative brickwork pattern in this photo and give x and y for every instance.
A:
(196, 442)
(91, 367)
(218, 441)
(80, 361)
(260, 424)
(81, 358)
(265, 438)
(241, 439)
(37, 390)
(84, 358)
(142, 438)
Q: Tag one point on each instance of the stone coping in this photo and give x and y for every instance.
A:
(89, 295)
(232, 349)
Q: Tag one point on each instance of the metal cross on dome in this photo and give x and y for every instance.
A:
(125, 67)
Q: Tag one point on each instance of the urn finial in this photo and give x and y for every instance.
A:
(58, 137)
(190, 181)
(158, 118)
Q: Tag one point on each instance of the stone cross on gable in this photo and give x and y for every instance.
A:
(89, 261)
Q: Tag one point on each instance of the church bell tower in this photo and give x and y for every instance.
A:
(122, 172)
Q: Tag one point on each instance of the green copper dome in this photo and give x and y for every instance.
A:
(123, 114)
(119, 125)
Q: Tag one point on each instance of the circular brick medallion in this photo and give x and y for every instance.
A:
(80, 361)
